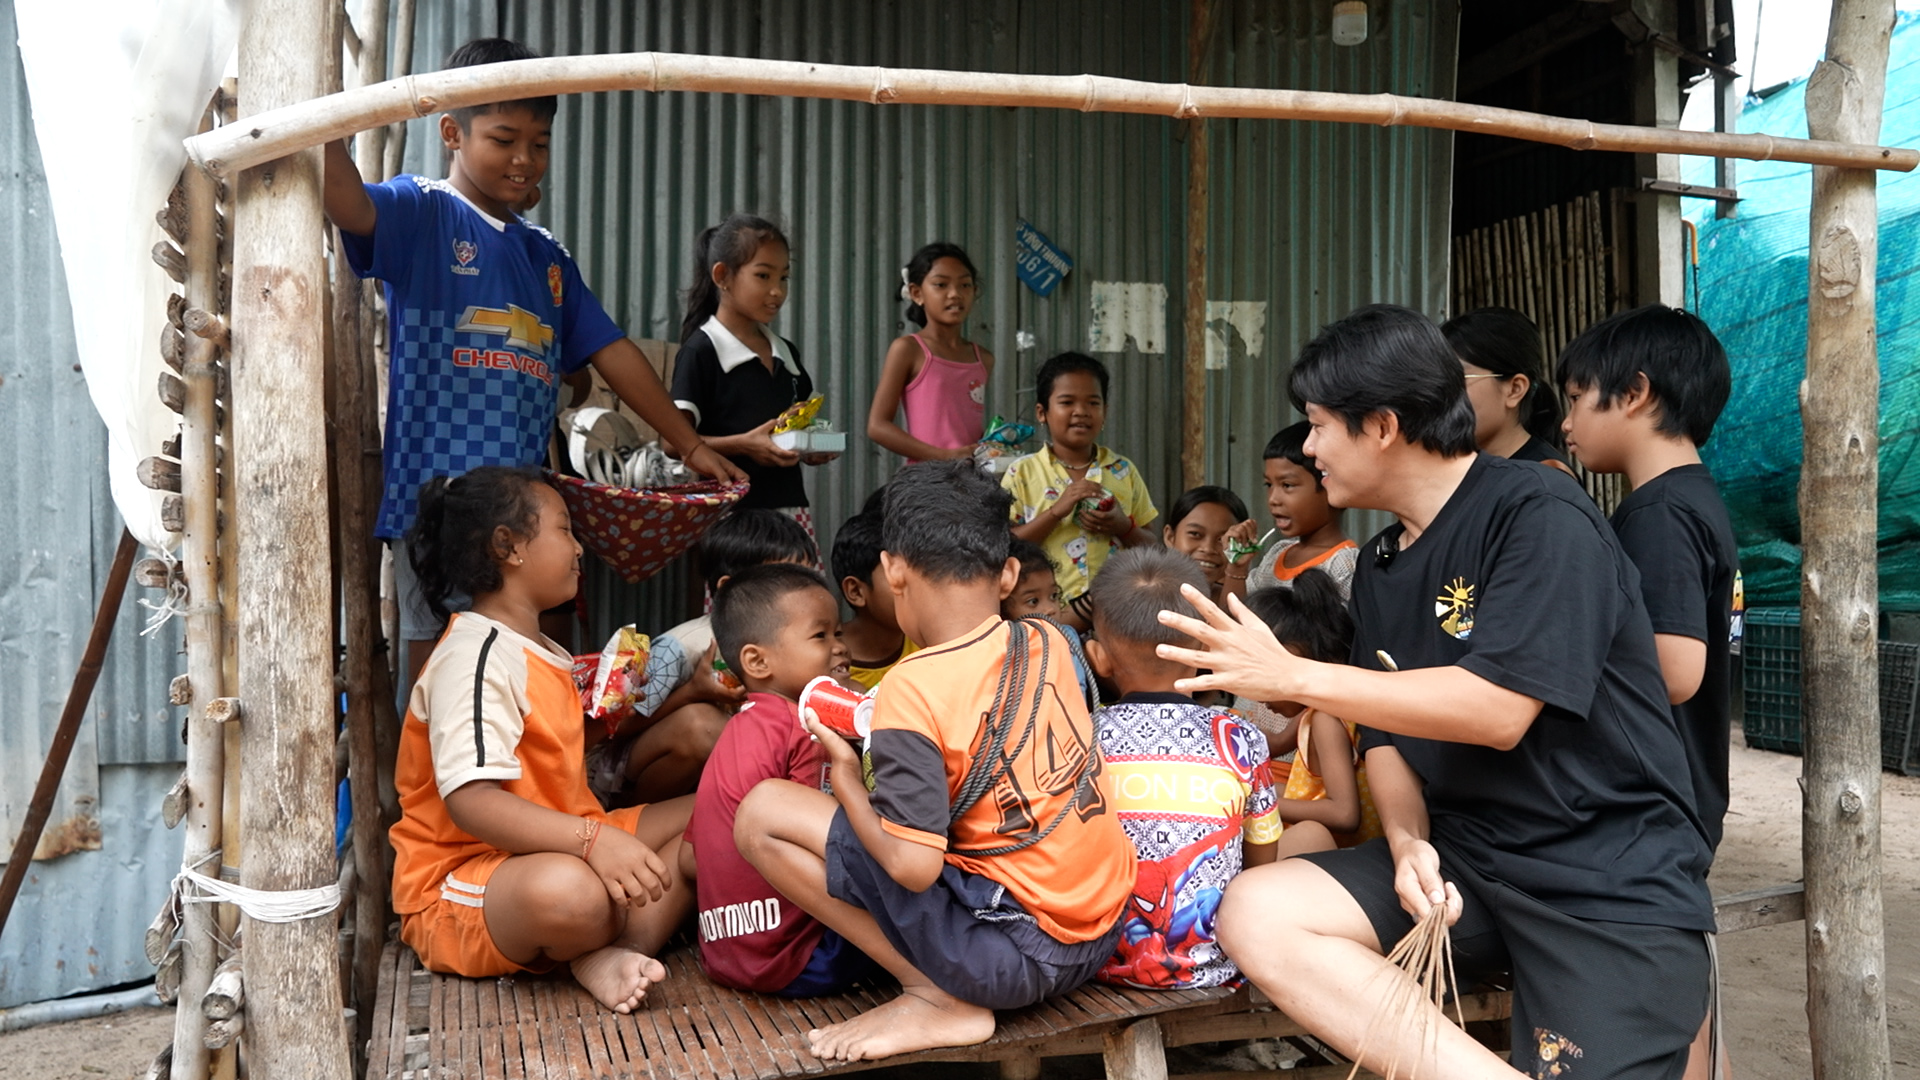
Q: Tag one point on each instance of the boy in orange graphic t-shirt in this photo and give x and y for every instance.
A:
(987, 868)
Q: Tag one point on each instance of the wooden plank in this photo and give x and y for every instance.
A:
(1760, 907)
(1265, 1024)
(437, 1027)
(709, 1027)
(469, 1026)
(384, 1053)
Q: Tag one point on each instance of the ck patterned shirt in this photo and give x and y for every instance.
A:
(485, 316)
(1191, 784)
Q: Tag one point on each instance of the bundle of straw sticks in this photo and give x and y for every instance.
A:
(1426, 956)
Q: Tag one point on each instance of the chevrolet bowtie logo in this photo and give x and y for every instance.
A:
(518, 325)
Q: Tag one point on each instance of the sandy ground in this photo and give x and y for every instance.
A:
(1765, 970)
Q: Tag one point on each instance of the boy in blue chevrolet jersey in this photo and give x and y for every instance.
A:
(487, 314)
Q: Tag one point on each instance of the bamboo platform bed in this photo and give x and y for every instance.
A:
(443, 1027)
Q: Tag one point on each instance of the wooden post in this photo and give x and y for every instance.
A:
(1839, 516)
(1656, 103)
(1136, 1052)
(279, 465)
(206, 630)
(360, 569)
(1193, 417)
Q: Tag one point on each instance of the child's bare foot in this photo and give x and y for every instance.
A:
(618, 976)
(921, 1018)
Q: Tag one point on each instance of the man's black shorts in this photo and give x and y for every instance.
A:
(964, 932)
(1596, 999)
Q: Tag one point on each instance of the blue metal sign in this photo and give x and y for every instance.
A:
(1039, 264)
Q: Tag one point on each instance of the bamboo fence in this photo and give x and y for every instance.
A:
(1564, 267)
(275, 133)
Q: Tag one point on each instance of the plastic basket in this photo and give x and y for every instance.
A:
(1770, 656)
(638, 531)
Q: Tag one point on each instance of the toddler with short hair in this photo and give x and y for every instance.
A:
(778, 627)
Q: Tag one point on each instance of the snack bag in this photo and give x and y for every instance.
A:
(614, 680)
(799, 416)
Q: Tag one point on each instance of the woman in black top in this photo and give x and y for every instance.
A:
(1517, 415)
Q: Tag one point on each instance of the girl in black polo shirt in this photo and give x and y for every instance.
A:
(734, 377)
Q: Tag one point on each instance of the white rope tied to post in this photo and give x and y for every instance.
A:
(260, 905)
(175, 602)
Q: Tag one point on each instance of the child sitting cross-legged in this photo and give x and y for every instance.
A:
(778, 627)
(873, 636)
(1190, 783)
(1327, 782)
(503, 859)
(986, 870)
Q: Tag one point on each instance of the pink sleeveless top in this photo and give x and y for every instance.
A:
(946, 404)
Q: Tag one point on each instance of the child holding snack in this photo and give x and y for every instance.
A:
(503, 859)
(1190, 783)
(1308, 524)
(734, 376)
(1198, 525)
(872, 632)
(1078, 500)
(986, 870)
(936, 376)
(777, 626)
(1326, 781)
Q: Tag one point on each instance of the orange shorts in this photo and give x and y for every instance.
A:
(450, 935)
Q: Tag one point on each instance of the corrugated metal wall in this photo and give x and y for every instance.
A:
(1314, 219)
(80, 917)
(1319, 219)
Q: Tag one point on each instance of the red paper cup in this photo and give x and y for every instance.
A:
(848, 713)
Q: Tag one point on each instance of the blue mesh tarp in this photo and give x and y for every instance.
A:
(1752, 289)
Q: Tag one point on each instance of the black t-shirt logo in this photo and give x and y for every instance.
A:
(1454, 608)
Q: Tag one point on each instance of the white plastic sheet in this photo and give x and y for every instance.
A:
(115, 86)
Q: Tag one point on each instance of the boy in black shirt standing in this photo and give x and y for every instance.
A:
(1528, 774)
(1645, 388)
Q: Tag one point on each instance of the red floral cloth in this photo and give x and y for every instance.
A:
(639, 531)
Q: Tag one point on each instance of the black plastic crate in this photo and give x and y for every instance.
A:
(1899, 684)
(1770, 655)
(1771, 684)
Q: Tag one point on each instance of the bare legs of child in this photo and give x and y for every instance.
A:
(552, 906)
(1306, 944)
(781, 828)
(667, 757)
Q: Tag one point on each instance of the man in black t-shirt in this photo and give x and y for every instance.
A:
(1519, 748)
(1645, 388)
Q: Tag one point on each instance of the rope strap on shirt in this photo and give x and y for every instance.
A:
(994, 762)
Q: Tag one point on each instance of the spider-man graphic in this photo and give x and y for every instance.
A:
(1158, 931)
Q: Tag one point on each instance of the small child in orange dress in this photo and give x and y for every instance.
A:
(1327, 782)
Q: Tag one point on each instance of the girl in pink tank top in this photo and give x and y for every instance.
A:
(936, 376)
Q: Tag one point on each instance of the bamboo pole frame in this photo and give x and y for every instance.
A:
(275, 133)
(206, 625)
